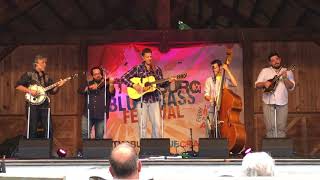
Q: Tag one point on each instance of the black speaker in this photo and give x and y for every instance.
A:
(10, 146)
(34, 149)
(154, 147)
(213, 148)
(97, 148)
(278, 147)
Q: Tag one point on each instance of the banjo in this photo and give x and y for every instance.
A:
(42, 96)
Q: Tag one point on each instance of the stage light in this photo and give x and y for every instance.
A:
(183, 26)
(61, 153)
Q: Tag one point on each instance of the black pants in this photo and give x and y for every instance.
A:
(38, 115)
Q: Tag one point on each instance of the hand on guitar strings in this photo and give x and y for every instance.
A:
(267, 84)
(61, 82)
(138, 88)
(172, 79)
(34, 93)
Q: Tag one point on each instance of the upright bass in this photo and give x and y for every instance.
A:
(227, 114)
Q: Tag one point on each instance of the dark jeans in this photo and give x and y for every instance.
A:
(38, 114)
(98, 125)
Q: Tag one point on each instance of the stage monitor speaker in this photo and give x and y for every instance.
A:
(213, 148)
(154, 147)
(34, 149)
(278, 147)
(97, 148)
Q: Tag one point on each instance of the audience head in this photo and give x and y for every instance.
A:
(124, 162)
(258, 164)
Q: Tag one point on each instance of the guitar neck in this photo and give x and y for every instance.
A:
(159, 81)
(55, 84)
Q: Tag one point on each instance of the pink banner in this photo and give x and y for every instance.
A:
(184, 105)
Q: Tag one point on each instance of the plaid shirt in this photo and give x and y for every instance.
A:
(141, 71)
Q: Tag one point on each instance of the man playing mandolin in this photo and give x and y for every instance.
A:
(148, 105)
(275, 101)
(39, 112)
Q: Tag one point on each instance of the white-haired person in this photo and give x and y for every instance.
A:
(258, 164)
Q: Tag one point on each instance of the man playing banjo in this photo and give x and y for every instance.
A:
(37, 101)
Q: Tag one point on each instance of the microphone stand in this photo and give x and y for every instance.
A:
(141, 111)
(191, 153)
(162, 114)
(48, 118)
(88, 109)
(105, 99)
(29, 112)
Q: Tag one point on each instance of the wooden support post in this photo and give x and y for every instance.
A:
(163, 23)
(248, 88)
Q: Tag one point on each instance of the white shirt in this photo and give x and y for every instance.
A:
(211, 87)
(280, 95)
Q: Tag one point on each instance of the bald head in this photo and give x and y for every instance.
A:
(124, 162)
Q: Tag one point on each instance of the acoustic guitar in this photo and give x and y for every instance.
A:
(149, 84)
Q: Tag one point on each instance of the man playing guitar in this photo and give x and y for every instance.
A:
(37, 76)
(148, 105)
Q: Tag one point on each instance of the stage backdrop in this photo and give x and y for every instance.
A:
(184, 105)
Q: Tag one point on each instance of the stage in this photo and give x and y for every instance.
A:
(155, 168)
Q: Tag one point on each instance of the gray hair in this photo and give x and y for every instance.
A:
(258, 164)
(39, 57)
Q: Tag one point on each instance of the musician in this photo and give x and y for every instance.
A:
(278, 100)
(97, 93)
(212, 85)
(149, 106)
(38, 113)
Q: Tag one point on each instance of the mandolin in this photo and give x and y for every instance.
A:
(275, 80)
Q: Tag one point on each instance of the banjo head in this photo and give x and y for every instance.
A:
(38, 99)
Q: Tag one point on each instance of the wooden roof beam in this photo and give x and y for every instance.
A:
(84, 11)
(155, 36)
(17, 13)
(6, 51)
(55, 12)
(219, 9)
(276, 15)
